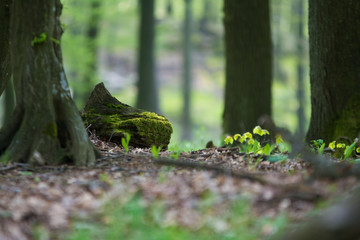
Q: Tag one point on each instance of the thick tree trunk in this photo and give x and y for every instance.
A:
(46, 126)
(248, 64)
(334, 69)
(147, 96)
(4, 44)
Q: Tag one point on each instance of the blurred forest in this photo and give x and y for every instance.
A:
(101, 41)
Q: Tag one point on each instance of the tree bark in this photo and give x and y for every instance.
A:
(9, 101)
(248, 64)
(90, 76)
(334, 69)
(46, 126)
(187, 75)
(147, 86)
(299, 12)
(4, 44)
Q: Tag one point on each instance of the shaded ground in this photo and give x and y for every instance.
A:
(49, 198)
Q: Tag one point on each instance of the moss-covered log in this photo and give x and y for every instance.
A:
(112, 119)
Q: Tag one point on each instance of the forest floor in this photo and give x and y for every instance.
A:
(50, 202)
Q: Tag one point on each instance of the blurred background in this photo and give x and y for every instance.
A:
(101, 41)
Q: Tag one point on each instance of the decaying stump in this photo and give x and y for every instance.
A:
(111, 119)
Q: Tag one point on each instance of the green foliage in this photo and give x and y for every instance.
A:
(340, 149)
(125, 142)
(318, 145)
(175, 155)
(42, 38)
(135, 220)
(249, 144)
(55, 40)
(155, 151)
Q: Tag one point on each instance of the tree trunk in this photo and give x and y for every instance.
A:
(187, 77)
(334, 69)
(90, 76)
(4, 44)
(147, 86)
(248, 64)
(299, 12)
(9, 101)
(46, 126)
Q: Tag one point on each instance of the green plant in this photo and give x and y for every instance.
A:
(249, 144)
(125, 142)
(40, 39)
(175, 155)
(318, 145)
(348, 150)
(155, 151)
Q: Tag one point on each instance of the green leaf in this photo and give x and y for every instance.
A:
(349, 150)
(321, 149)
(276, 158)
(236, 136)
(332, 145)
(247, 135)
(229, 140)
(257, 130)
(340, 145)
(279, 139)
(40, 39)
(268, 149)
(265, 132)
(155, 151)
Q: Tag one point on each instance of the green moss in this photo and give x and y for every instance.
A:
(113, 121)
(152, 115)
(111, 105)
(348, 124)
(51, 130)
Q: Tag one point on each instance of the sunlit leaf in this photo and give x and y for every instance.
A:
(349, 149)
(265, 132)
(340, 145)
(257, 130)
(229, 140)
(279, 139)
(247, 135)
(236, 136)
(332, 145)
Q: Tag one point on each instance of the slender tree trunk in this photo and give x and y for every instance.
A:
(206, 17)
(90, 77)
(334, 69)
(46, 126)
(248, 64)
(147, 85)
(186, 134)
(300, 68)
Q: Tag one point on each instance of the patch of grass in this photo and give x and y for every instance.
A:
(134, 221)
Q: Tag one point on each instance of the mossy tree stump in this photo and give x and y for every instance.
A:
(112, 119)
